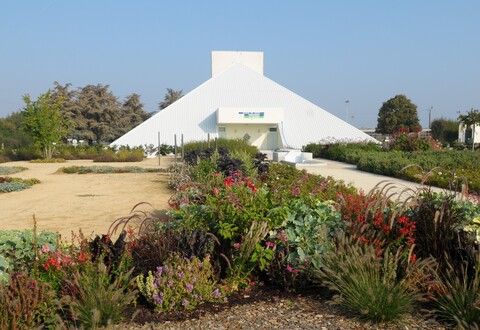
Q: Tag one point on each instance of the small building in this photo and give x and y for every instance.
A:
(466, 133)
(238, 101)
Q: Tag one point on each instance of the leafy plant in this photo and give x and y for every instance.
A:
(308, 230)
(180, 284)
(26, 303)
(248, 253)
(17, 249)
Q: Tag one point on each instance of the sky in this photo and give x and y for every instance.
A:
(328, 52)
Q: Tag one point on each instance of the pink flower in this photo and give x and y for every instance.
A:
(236, 246)
(216, 191)
(289, 268)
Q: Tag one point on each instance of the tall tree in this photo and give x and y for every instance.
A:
(398, 112)
(132, 114)
(471, 119)
(11, 134)
(170, 97)
(44, 122)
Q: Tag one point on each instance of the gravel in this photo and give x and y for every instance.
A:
(282, 312)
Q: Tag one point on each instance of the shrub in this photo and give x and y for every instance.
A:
(457, 299)
(365, 287)
(26, 303)
(247, 254)
(9, 184)
(51, 160)
(154, 247)
(7, 170)
(94, 300)
(299, 244)
(179, 284)
(308, 229)
(232, 145)
(106, 169)
(439, 221)
(404, 140)
(18, 248)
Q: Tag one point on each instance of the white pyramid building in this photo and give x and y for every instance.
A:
(240, 102)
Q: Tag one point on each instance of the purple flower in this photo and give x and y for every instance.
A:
(185, 303)
(169, 283)
(189, 287)
(180, 275)
(159, 270)
(216, 294)
(157, 299)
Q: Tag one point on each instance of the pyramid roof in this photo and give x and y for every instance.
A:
(238, 86)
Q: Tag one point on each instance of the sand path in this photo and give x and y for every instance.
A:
(67, 202)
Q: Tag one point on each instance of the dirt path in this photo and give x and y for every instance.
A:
(67, 202)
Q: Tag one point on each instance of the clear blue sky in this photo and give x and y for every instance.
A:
(326, 51)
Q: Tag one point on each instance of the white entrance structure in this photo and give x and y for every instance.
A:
(468, 134)
(238, 101)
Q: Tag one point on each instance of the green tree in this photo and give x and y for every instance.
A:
(398, 112)
(96, 113)
(444, 130)
(170, 97)
(44, 122)
(471, 119)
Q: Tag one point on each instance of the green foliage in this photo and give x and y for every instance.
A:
(233, 145)
(97, 301)
(248, 253)
(106, 169)
(11, 135)
(445, 130)
(365, 286)
(9, 184)
(180, 284)
(439, 219)
(7, 170)
(96, 114)
(348, 153)
(308, 230)
(44, 122)
(457, 299)
(471, 119)
(404, 140)
(285, 182)
(122, 155)
(156, 243)
(48, 161)
(398, 112)
(26, 303)
(17, 249)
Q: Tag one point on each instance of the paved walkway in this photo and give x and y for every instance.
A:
(362, 180)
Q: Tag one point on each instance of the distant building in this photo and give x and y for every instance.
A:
(465, 134)
(238, 101)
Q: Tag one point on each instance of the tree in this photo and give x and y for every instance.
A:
(471, 119)
(398, 112)
(444, 130)
(170, 97)
(44, 122)
(96, 114)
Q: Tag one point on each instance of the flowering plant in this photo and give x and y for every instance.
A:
(180, 284)
(474, 228)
